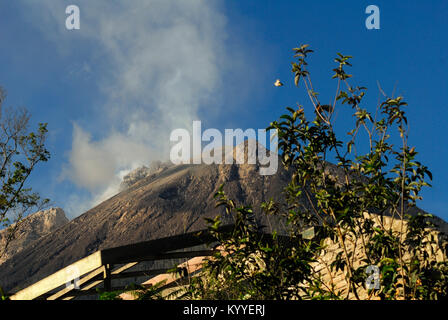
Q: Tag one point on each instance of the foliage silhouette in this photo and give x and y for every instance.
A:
(362, 210)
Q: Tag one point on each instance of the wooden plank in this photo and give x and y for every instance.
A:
(131, 252)
(137, 274)
(170, 280)
(60, 277)
(106, 278)
(190, 267)
(124, 268)
(173, 255)
(91, 276)
(98, 282)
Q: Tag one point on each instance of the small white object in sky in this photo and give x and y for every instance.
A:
(278, 83)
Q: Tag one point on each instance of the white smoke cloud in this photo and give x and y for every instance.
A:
(93, 164)
(163, 60)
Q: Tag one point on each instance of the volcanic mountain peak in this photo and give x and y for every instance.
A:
(246, 152)
(142, 172)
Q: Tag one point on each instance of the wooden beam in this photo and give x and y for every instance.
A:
(90, 277)
(170, 279)
(124, 268)
(142, 273)
(173, 255)
(98, 282)
(106, 278)
(88, 289)
(132, 252)
(60, 277)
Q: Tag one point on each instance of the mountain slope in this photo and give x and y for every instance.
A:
(32, 228)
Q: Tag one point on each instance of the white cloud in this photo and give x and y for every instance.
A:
(164, 62)
(94, 164)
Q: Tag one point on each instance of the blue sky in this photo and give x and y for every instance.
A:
(112, 91)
